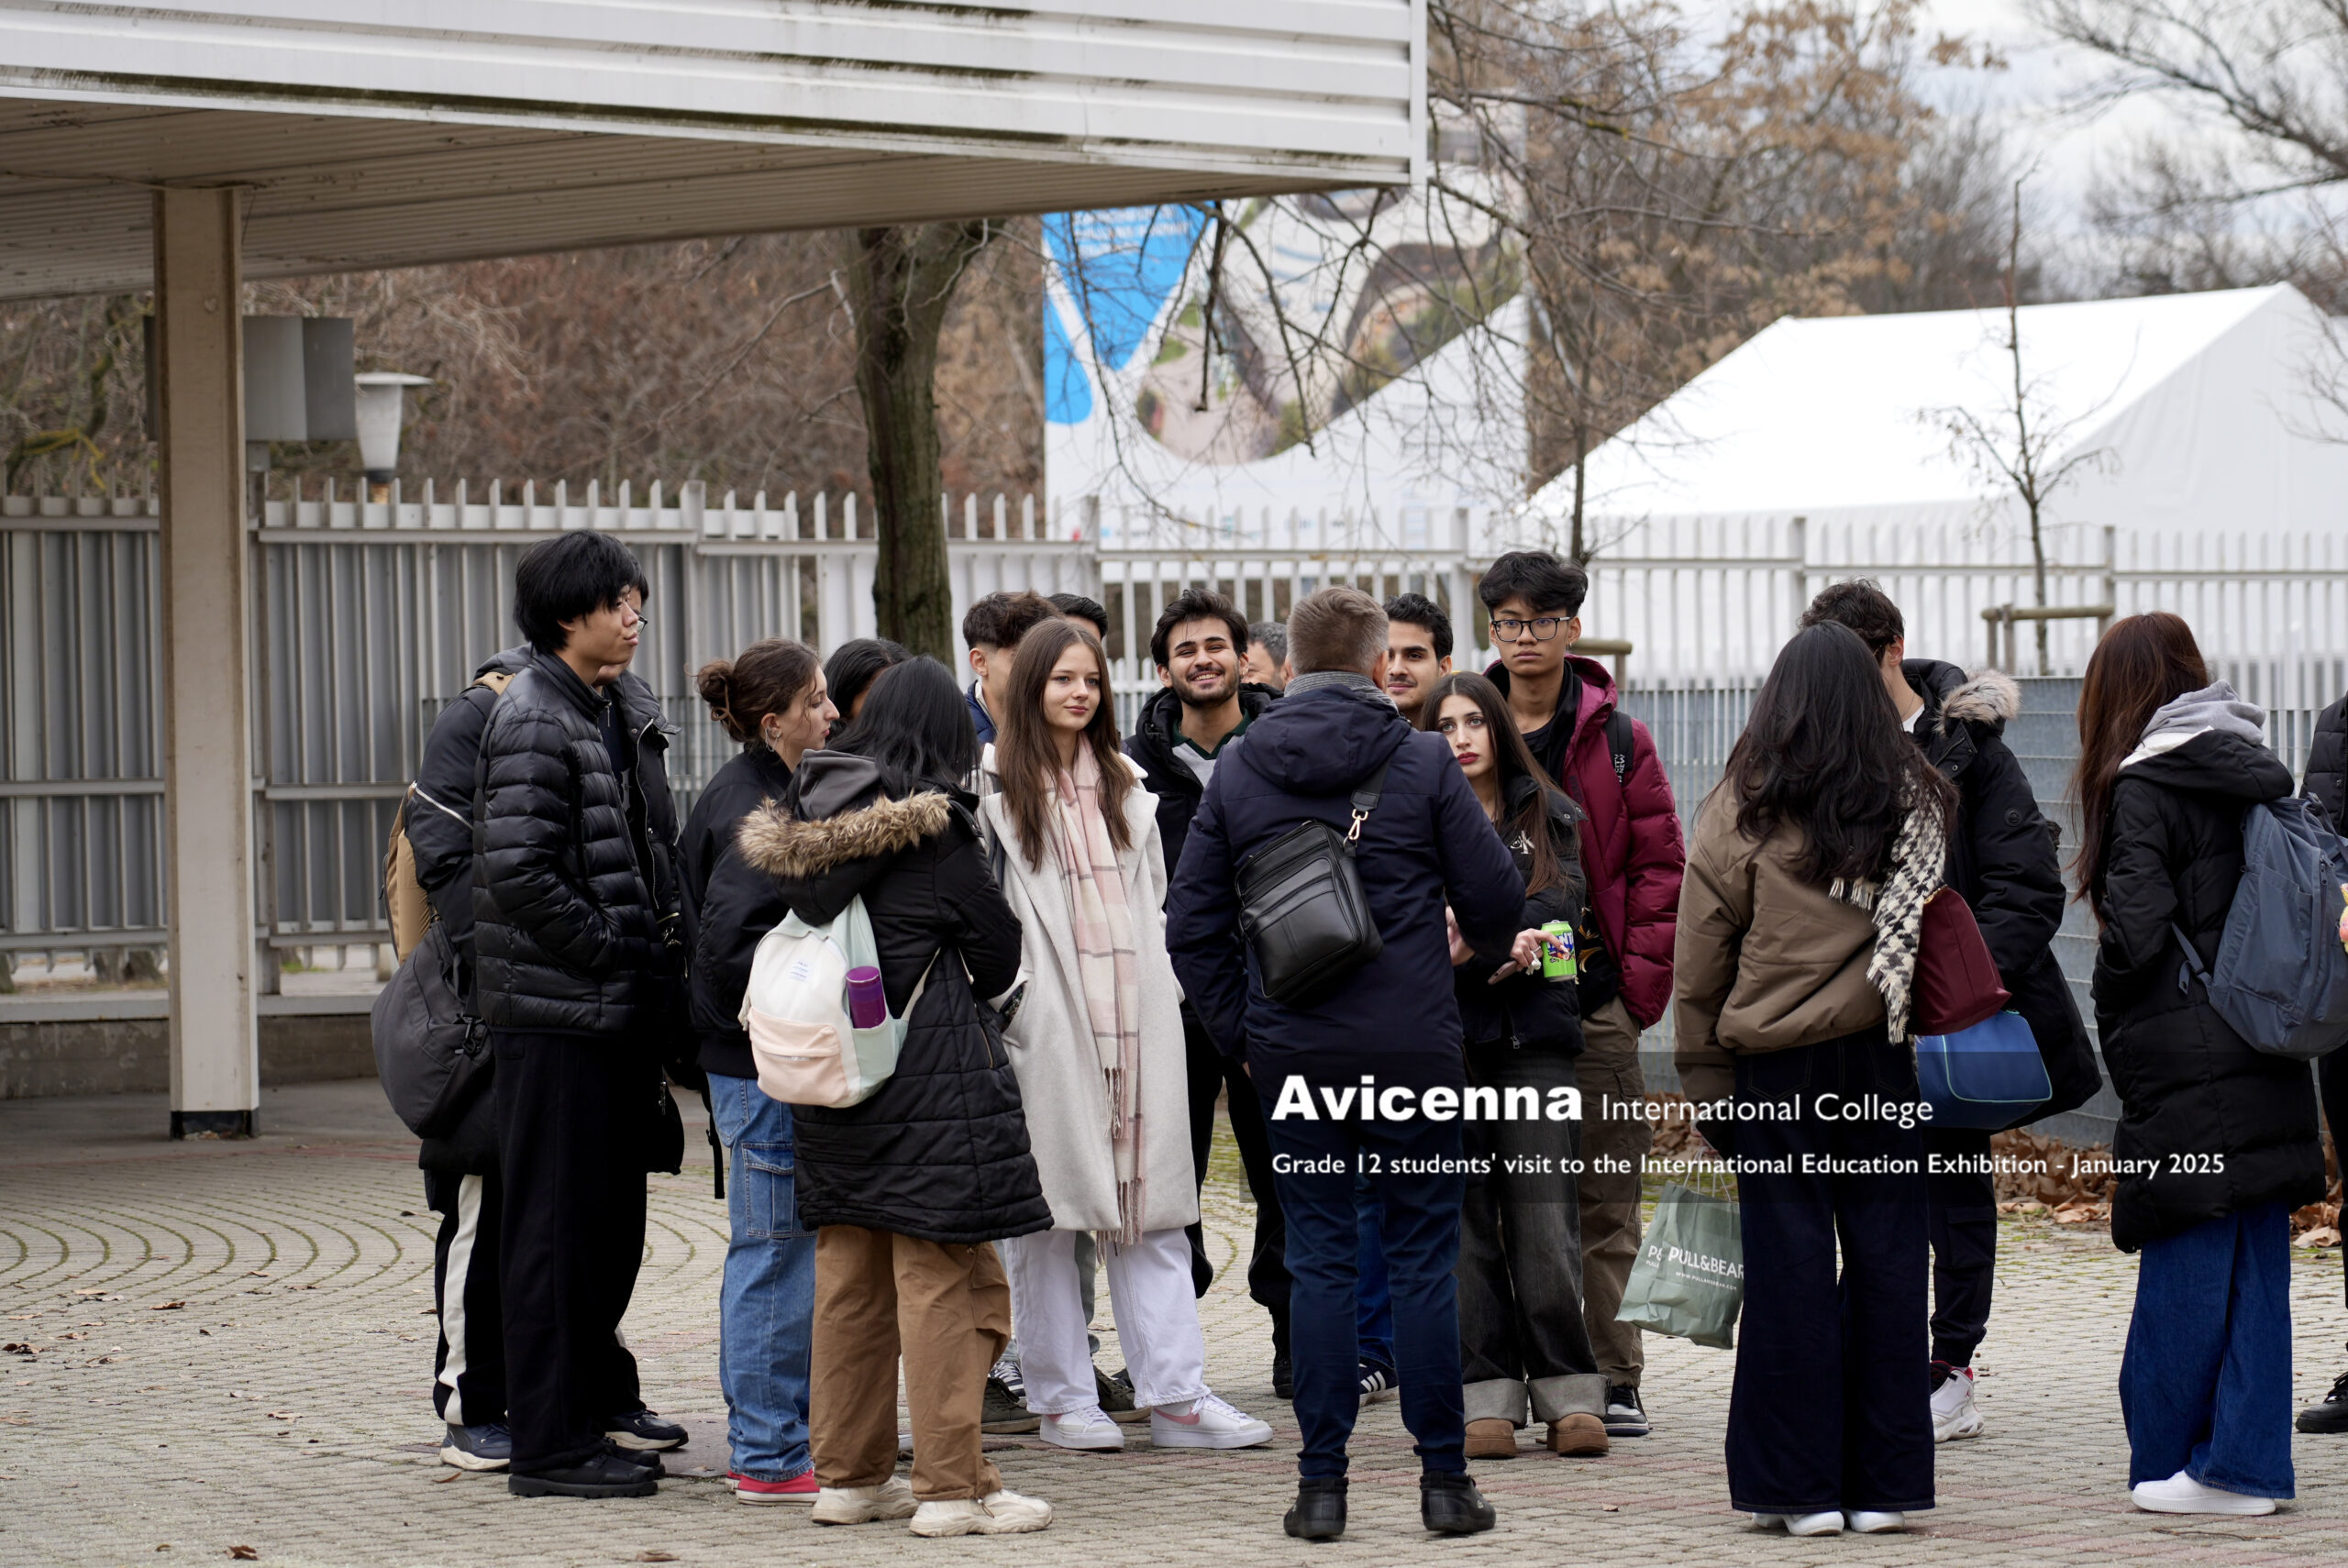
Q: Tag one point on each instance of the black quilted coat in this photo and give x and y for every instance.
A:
(2003, 861)
(941, 1152)
(2230, 1127)
(2327, 777)
(575, 884)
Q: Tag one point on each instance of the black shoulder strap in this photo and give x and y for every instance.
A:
(1619, 742)
(1365, 800)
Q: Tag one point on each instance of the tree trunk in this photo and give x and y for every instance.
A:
(900, 280)
(2038, 561)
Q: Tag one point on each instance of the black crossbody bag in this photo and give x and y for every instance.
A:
(1302, 907)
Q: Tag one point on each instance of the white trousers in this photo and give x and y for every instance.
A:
(1157, 1319)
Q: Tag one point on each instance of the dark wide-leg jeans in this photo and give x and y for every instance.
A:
(1420, 1233)
(571, 1110)
(1831, 1407)
(1523, 1343)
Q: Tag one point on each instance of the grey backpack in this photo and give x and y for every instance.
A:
(431, 1052)
(2281, 978)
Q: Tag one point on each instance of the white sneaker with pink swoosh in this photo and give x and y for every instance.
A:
(1205, 1422)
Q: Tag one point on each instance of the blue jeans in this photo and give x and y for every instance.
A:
(766, 1312)
(1418, 1231)
(1373, 1301)
(2205, 1386)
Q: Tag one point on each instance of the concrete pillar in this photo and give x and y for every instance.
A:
(207, 761)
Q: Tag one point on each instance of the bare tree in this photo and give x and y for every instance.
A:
(2024, 444)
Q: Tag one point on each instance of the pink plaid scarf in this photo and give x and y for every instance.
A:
(1107, 968)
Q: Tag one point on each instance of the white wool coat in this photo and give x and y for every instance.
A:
(1052, 1051)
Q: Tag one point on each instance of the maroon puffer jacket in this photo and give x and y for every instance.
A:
(1632, 849)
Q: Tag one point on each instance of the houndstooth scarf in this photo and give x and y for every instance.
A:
(1919, 856)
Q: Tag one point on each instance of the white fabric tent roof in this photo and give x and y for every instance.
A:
(2200, 408)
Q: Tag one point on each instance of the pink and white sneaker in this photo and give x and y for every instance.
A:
(800, 1489)
(1205, 1422)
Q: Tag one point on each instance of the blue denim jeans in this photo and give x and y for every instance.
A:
(2205, 1386)
(1418, 1232)
(766, 1313)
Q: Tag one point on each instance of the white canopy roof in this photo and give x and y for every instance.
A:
(2200, 411)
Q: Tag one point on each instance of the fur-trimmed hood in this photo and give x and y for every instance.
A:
(1952, 696)
(780, 844)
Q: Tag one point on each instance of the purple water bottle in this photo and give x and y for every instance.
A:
(867, 1004)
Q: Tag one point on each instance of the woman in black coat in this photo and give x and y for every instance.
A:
(2217, 1141)
(908, 1190)
(770, 700)
(1524, 1344)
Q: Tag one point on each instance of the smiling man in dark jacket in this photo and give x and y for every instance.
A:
(2002, 861)
(574, 900)
(1391, 1025)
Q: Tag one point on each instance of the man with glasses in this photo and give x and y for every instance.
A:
(1633, 854)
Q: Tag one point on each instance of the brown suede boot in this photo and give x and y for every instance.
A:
(1492, 1438)
(1579, 1437)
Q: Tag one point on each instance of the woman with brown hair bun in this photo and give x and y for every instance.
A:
(1094, 1035)
(2219, 1140)
(771, 700)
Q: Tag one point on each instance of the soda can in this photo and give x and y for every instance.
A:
(1558, 952)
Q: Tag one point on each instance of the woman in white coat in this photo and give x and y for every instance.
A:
(1095, 1038)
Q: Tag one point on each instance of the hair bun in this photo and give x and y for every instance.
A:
(715, 681)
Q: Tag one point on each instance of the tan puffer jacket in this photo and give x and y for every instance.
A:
(1765, 960)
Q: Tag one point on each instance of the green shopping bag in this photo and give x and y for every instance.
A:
(1690, 1279)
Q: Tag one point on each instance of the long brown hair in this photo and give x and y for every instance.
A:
(1514, 759)
(1026, 757)
(2144, 663)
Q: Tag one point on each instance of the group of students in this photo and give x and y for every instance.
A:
(1057, 915)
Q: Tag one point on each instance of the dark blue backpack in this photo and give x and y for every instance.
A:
(2281, 978)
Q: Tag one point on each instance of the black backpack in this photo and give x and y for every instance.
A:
(431, 1051)
(1302, 907)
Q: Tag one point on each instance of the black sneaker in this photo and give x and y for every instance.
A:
(1284, 1376)
(1320, 1510)
(487, 1446)
(643, 1430)
(1117, 1396)
(2329, 1414)
(602, 1475)
(1450, 1504)
(1003, 1413)
(1625, 1417)
(644, 1459)
(1379, 1383)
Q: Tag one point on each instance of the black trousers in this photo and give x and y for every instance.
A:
(469, 1367)
(1524, 1342)
(1831, 1406)
(1960, 1213)
(1211, 1072)
(571, 1111)
(2331, 1083)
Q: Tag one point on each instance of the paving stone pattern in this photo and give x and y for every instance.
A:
(231, 1347)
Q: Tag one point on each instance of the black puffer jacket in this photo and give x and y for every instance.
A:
(577, 889)
(941, 1152)
(725, 905)
(1525, 1010)
(440, 810)
(1168, 776)
(2231, 1128)
(2004, 861)
(2327, 778)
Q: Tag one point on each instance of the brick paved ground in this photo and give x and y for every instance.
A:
(282, 1403)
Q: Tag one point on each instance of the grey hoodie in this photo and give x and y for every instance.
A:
(2214, 707)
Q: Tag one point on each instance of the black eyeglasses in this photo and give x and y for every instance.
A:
(1508, 628)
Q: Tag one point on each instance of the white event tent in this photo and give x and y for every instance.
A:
(1824, 447)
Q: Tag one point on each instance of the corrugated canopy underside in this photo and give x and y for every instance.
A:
(449, 129)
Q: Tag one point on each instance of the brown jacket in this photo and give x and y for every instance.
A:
(1765, 960)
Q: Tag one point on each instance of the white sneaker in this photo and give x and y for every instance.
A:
(2180, 1494)
(1088, 1429)
(1868, 1521)
(892, 1499)
(1207, 1422)
(1829, 1523)
(999, 1513)
(1955, 1414)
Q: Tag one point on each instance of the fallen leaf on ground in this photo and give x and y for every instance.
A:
(256, 1274)
(656, 1555)
(244, 1555)
(441, 1480)
(2321, 1236)
(166, 1307)
(282, 1416)
(100, 1292)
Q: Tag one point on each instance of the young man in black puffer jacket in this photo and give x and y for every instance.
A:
(2003, 860)
(574, 908)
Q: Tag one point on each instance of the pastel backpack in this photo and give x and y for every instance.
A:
(808, 1048)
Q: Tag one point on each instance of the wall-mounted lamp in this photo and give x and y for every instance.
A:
(382, 408)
